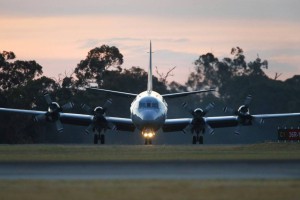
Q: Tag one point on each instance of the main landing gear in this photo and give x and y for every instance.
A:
(99, 138)
(198, 139)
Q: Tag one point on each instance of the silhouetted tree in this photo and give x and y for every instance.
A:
(21, 87)
(210, 71)
(17, 73)
(97, 61)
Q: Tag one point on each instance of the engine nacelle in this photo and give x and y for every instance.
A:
(54, 107)
(198, 112)
(243, 110)
(99, 111)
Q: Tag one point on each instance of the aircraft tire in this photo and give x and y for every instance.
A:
(149, 141)
(95, 139)
(194, 139)
(102, 139)
(201, 140)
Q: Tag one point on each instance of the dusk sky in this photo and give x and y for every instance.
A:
(59, 33)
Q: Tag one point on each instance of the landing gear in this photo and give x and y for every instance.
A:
(99, 137)
(198, 139)
(148, 135)
(95, 138)
(194, 140)
(102, 139)
(148, 141)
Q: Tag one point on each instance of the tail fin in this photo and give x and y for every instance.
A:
(149, 86)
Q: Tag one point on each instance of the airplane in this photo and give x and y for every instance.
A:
(148, 115)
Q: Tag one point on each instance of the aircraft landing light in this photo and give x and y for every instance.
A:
(148, 134)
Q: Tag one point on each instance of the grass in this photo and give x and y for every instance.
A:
(150, 189)
(265, 151)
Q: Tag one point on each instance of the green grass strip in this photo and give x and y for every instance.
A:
(265, 151)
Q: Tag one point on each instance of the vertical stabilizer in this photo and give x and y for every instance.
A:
(149, 87)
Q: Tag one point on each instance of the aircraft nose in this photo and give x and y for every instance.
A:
(149, 115)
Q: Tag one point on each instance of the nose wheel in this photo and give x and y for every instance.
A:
(99, 138)
(148, 141)
(198, 139)
(148, 134)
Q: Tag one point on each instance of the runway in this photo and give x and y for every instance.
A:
(190, 170)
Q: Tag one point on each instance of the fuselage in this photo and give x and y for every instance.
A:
(148, 111)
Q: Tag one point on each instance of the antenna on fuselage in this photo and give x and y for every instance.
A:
(149, 86)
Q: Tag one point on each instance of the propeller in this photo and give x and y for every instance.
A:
(243, 115)
(198, 123)
(242, 110)
(53, 112)
(99, 121)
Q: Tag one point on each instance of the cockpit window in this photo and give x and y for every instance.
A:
(142, 105)
(154, 105)
(151, 103)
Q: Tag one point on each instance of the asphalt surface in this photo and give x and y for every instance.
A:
(201, 170)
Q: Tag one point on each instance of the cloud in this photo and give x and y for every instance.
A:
(88, 43)
(199, 9)
(68, 32)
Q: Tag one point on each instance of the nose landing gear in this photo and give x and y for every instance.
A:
(148, 135)
(148, 141)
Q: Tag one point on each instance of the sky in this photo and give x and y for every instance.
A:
(59, 33)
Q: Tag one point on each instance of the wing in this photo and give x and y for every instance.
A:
(122, 124)
(173, 125)
(219, 122)
(215, 122)
(21, 111)
(222, 122)
(280, 115)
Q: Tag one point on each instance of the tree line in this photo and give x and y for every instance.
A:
(22, 85)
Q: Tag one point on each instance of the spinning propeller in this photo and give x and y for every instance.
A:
(99, 121)
(198, 123)
(243, 115)
(53, 112)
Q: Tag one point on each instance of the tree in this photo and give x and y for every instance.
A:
(210, 71)
(255, 68)
(206, 70)
(21, 87)
(97, 61)
(17, 73)
(163, 77)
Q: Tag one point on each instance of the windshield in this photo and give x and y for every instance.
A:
(148, 103)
